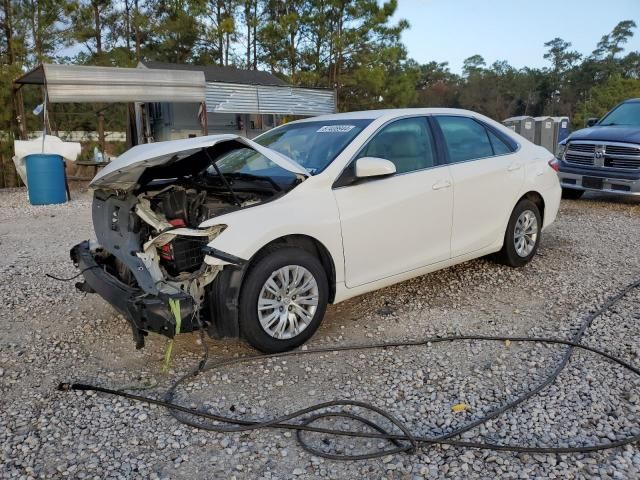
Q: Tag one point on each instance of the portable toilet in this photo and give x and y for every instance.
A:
(544, 134)
(523, 125)
(509, 123)
(560, 131)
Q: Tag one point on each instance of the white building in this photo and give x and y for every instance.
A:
(247, 102)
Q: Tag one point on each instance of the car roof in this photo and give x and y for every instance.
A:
(388, 113)
(632, 100)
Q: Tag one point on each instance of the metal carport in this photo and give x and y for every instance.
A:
(90, 84)
(77, 83)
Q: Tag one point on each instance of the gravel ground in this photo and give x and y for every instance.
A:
(49, 333)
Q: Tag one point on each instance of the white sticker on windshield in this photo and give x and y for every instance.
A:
(336, 128)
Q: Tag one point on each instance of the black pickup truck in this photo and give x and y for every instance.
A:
(604, 157)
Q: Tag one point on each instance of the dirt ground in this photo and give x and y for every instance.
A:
(50, 333)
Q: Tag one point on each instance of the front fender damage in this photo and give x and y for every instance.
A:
(124, 266)
(193, 283)
(155, 213)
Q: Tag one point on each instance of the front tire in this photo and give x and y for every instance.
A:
(572, 193)
(522, 237)
(283, 299)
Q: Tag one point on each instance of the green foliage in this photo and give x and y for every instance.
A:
(92, 22)
(178, 30)
(352, 46)
(605, 96)
(612, 43)
(473, 65)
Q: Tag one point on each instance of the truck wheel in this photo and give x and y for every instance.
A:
(572, 193)
(283, 299)
(522, 237)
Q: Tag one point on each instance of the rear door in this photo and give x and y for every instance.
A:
(487, 177)
(396, 224)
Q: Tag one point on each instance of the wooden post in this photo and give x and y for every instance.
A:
(19, 108)
(206, 118)
(101, 131)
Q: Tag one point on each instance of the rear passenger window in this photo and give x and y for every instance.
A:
(407, 143)
(466, 139)
(499, 147)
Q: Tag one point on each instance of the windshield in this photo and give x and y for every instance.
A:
(314, 145)
(248, 164)
(625, 114)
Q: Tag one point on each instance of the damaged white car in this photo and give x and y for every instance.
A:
(253, 239)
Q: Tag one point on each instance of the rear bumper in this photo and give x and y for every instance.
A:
(145, 313)
(551, 199)
(625, 183)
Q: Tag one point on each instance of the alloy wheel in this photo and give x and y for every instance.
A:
(288, 302)
(525, 233)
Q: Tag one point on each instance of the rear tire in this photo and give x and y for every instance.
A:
(522, 237)
(572, 193)
(283, 299)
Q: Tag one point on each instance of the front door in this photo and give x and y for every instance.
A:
(396, 224)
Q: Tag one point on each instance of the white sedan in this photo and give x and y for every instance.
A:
(253, 239)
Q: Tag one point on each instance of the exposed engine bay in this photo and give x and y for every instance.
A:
(159, 228)
(148, 208)
(187, 208)
(156, 225)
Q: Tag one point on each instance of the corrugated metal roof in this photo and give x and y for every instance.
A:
(236, 98)
(216, 73)
(78, 83)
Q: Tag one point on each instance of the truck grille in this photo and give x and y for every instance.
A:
(603, 155)
(583, 147)
(571, 157)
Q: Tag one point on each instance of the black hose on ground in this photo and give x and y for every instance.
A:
(60, 279)
(403, 440)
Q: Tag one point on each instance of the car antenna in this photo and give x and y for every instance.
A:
(223, 178)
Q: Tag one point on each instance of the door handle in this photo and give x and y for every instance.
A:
(513, 167)
(441, 184)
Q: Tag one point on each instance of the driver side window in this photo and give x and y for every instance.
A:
(407, 143)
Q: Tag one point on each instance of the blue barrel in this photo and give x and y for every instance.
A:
(45, 179)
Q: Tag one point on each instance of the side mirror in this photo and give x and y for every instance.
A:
(592, 121)
(367, 167)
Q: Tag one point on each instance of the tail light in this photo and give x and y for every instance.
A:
(555, 164)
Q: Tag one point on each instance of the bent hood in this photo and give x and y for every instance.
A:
(124, 172)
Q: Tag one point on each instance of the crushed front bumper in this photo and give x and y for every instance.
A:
(146, 313)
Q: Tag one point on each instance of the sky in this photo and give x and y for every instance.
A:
(512, 30)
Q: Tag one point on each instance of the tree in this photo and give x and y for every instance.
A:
(178, 31)
(131, 31)
(222, 27)
(12, 56)
(365, 56)
(473, 65)
(47, 23)
(281, 35)
(93, 27)
(630, 65)
(604, 97)
(12, 47)
(251, 17)
(612, 43)
(436, 86)
(560, 56)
